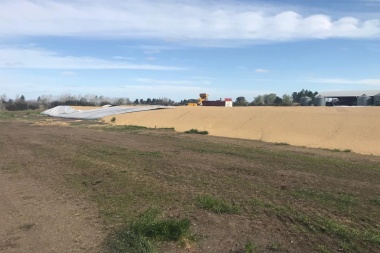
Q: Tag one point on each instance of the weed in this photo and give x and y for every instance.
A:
(281, 144)
(249, 247)
(322, 249)
(113, 119)
(141, 234)
(375, 201)
(347, 150)
(216, 205)
(274, 246)
(195, 131)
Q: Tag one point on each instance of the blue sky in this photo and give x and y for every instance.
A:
(177, 49)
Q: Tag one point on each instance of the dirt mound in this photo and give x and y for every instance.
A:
(353, 128)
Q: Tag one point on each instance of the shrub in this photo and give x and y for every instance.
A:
(195, 131)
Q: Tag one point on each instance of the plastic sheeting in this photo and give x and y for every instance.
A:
(71, 113)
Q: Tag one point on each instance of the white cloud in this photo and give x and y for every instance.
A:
(178, 21)
(32, 58)
(375, 82)
(262, 70)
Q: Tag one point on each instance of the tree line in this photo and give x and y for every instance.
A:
(49, 101)
(273, 100)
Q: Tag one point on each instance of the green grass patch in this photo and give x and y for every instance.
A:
(195, 131)
(216, 205)
(350, 237)
(6, 115)
(250, 247)
(132, 128)
(146, 231)
(274, 246)
(375, 201)
(322, 249)
(281, 144)
(340, 201)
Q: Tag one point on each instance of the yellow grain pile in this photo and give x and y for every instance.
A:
(354, 128)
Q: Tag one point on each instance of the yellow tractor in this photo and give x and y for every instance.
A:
(202, 97)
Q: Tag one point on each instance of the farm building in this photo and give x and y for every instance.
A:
(349, 98)
(227, 102)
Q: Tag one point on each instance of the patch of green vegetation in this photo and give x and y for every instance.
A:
(195, 131)
(216, 205)
(260, 203)
(132, 128)
(11, 167)
(375, 201)
(274, 246)
(322, 249)
(338, 150)
(6, 115)
(350, 237)
(144, 232)
(249, 247)
(342, 201)
(281, 144)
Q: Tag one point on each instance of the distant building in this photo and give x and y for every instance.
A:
(350, 98)
(227, 102)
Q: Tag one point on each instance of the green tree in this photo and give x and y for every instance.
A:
(258, 101)
(241, 101)
(269, 98)
(298, 95)
(277, 101)
(287, 100)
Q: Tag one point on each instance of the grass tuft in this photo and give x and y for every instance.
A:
(281, 144)
(249, 247)
(375, 201)
(142, 234)
(216, 205)
(195, 131)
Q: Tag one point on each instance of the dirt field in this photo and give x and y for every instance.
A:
(354, 128)
(64, 188)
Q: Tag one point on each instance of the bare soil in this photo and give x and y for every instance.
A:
(63, 188)
(36, 213)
